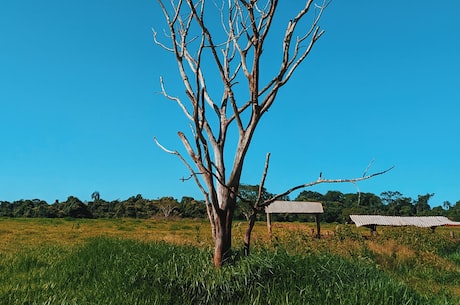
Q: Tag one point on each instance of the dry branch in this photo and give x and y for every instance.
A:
(322, 181)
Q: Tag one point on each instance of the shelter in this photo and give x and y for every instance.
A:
(295, 207)
(372, 221)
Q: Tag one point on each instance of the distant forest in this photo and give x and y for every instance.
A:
(337, 206)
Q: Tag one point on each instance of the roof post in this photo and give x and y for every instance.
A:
(269, 225)
(318, 226)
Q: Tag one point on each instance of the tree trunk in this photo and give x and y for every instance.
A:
(223, 237)
(247, 233)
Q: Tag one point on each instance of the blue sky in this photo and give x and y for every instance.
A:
(79, 105)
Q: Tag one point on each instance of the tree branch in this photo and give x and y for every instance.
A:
(175, 152)
(322, 181)
(176, 99)
(262, 181)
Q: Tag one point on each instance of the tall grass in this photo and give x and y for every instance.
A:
(114, 271)
(423, 260)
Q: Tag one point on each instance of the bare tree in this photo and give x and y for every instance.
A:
(167, 206)
(226, 41)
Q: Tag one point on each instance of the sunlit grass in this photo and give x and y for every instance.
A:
(16, 234)
(114, 271)
(425, 266)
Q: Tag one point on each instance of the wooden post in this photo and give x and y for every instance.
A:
(269, 226)
(373, 230)
(318, 226)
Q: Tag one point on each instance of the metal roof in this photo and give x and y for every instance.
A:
(295, 207)
(422, 221)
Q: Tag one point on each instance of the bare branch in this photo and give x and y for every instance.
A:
(262, 181)
(174, 152)
(357, 191)
(159, 43)
(368, 167)
(322, 181)
(176, 99)
(183, 179)
(291, 62)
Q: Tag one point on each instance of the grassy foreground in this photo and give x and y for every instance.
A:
(169, 262)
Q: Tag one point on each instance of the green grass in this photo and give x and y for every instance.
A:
(455, 257)
(162, 261)
(119, 271)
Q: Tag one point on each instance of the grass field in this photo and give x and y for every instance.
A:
(129, 261)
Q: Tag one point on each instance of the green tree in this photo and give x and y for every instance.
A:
(247, 196)
(454, 212)
(23, 208)
(96, 196)
(390, 197)
(397, 205)
(134, 207)
(333, 196)
(421, 205)
(307, 195)
(43, 210)
(438, 211)
(332, 212)
(100, 208)
(191, 208)
(74, 208)
(6, 209)
(371, 203)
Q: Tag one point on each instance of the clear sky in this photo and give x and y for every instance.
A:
(79, 105)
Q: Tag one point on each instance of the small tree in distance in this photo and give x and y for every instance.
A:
(96, 196)
(167, 206)
(232, 78)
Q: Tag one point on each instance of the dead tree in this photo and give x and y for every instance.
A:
(258, 206)
(227, 42)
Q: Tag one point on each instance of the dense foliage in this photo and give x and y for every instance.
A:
(134, 207)
(337, 206)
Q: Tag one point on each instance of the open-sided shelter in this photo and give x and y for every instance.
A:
(372, 221)
(295, 207)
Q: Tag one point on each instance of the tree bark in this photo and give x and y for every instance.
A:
(223, 237)
(220, 244)
(248, 232)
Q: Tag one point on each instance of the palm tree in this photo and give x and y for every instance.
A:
(96, 196)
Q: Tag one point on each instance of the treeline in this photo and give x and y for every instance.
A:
(337, 206)
(133, 207)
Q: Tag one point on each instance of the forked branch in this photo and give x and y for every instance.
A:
(189, 167)
(320, 180)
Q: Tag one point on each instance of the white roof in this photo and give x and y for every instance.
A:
(295, 207)
(421, 221)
